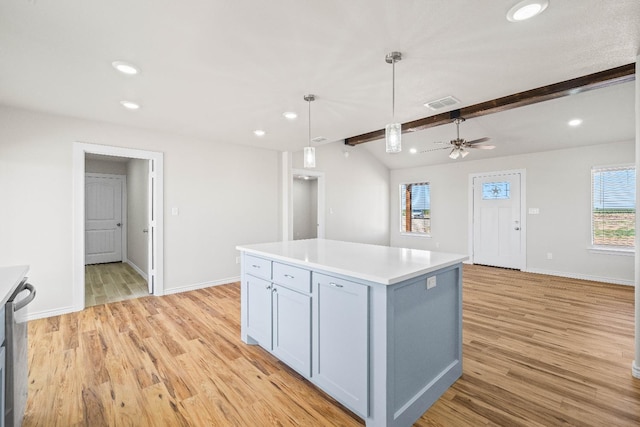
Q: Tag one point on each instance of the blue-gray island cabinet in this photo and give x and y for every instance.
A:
(377, 328)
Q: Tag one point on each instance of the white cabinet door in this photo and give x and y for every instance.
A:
(292, 328)
(259, 310)
(341, 340)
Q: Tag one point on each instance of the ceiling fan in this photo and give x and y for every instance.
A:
(460, 145)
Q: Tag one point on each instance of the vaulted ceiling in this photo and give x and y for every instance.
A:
(221, 69)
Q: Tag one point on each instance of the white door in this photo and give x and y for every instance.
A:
(103, 219)
(497, 221)
(151, 230)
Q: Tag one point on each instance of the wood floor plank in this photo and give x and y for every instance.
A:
(538, 351)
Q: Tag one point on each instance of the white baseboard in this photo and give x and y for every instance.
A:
(138, 270)
(635, 369)
(50, 313)
(581, 276)
(201, 285)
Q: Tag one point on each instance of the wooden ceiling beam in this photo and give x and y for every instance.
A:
(598, 80)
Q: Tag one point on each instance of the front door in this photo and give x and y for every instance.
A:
(497, 221)
(103, 218)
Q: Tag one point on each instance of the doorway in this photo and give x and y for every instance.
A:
(153, 221)
(497, 229)
(306, 205)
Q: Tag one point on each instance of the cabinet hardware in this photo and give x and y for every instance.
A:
(336, 285)
(274, 290)
(288, 276)
(268, 287)
(255, 266)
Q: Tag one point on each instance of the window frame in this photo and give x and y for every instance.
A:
(402, 199)
(604, 248)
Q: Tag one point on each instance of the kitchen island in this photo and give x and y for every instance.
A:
(377, 328)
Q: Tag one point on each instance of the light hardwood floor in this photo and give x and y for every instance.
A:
(105, 283)
(538, 351)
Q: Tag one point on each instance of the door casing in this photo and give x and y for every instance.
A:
(156, 252)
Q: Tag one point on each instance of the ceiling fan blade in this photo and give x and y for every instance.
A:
(441, 142)
(477, 141)
(434, 149)
(483, 147)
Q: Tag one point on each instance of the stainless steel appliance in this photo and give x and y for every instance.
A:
(16, 365)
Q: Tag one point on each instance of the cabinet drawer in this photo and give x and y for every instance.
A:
(294, 278)
(258, 267)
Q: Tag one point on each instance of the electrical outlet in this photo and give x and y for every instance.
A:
(549, 255)
(431, 282)
(237, 260)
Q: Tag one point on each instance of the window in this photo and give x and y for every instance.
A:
(613, 207)
(415, 208)
(496, 191)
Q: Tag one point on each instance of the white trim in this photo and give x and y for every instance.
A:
(79, 151)
(137, 269)
(635, 370)
(399, 205)
(202, 285)
(35, 315)
(581, 276)
(321, 198)
(604, 250)
(523, 211)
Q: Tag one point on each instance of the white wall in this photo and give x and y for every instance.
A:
(216, 187)
(557, 182)
(138, 213)
(305, 209)
(357, 194)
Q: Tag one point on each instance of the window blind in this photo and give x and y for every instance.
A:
(613, 214)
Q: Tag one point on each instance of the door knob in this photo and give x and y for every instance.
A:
(517, 228)
(118, 224)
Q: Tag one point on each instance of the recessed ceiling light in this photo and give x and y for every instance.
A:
(259, 132)
(130, 105)
(125, 67)
(290, 115)
(413, 150)
(526, 9)
(575, 122)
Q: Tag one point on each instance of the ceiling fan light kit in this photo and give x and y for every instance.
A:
(393, 131)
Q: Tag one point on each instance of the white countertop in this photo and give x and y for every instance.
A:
(10, 278)
(379, 264)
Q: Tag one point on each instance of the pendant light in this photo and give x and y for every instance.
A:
(393, 131)
(309, 151)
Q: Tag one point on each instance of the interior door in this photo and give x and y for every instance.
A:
(103, 219)
(151, 263)
(497, 220)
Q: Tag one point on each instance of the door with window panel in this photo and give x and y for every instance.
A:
(497, 225)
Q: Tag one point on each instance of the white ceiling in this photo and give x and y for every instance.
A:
(220, 69)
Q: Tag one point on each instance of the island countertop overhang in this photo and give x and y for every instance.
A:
(374, 263)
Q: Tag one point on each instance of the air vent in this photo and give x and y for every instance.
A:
(319, 139)
(441, 103)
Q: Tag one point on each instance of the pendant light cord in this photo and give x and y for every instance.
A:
(309, 122)
(393, 89)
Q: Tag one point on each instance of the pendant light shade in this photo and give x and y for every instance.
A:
(309, 151)
(309, 157)
(393, 131)
(393, 137)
